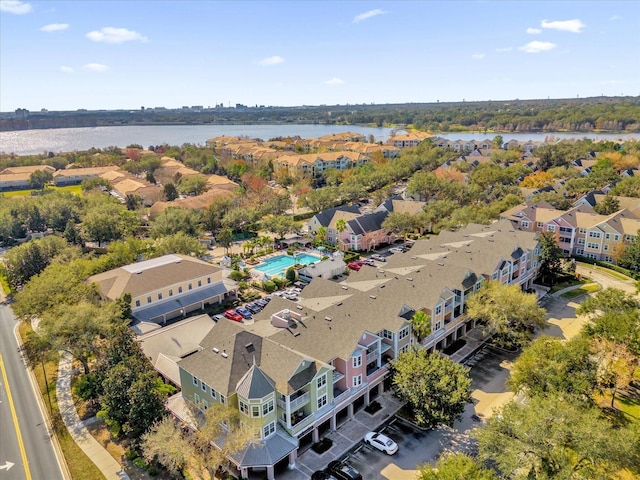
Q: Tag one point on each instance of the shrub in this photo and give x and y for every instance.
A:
(131, 454)
(140, 463)
(278, 282)
(87, 387)
(322, 446)
(291, 275)
(373, 407)
(236, 275)
(268, 286)
(243, 285)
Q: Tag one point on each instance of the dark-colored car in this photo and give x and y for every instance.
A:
(343, 471)
(262, 302)
(233, 315)
(253, 307)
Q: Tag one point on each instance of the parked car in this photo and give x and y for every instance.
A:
(354, 266)
(244, 312)
(397, 250)
(253, 307)
(262, 302)
(369, 262)
(381, 442)
(343, 471)
(378, 257)
(322, 475)
(218, 317)
(233, 315)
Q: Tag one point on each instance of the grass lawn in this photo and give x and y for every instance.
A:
(76, 189)
(568, 282)
(80, 466)
(581, 291)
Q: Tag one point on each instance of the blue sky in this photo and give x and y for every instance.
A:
(65, 55)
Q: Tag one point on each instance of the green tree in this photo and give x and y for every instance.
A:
(630, 257)
(400, 223)
(421, 325)
(170, 192)
(508, 312)
(455, 466)
(102, 225)
(321, 234)
(435, 388)
(550, 258)
(77, 329)
(498, 141)
(225, 238)
(146, 399)
(551, 366)
(280, 225)
(551, 437)
(211, 216)
(291, 275)
(174, 220)
(179, 243)
(39, 178)
(607, 206)
(192, 185)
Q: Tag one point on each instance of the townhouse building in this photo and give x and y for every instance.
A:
(412, 139)
(313, 165)
(580, 230)
(17, 178)
(297, 370)
(73, 176)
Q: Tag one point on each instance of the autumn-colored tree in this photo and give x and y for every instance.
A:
(537, 180)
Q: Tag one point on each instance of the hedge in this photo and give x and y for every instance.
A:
(610, 266)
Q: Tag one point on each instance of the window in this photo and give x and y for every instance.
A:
(322, 401)
(525, 224)
(244, 408)
(137, 303)
(199, 283)
(594, 234)
(606, 246)
(148, 299)
(387, 334)
(269, 429)
(179, 289)
(540, 224)
(160, 296)
(581, 241)
(222, 399)
(616, 237)
(208, 279)
(438, 309)
(205, 404)
(438, 326)
(171, 292)
(582, 230)
(565, 240)
(267, 407)
(357, 380)
(607, 236)
(495, 275)
(321, 381)
(255, 410)
(196, 399)
(203, 386)
(404, 333)
(566, 230)
(593, 246)
(195, 381)
(213, 393)
(551, 228)
(357, 361)
(190, 287)
(404, 348)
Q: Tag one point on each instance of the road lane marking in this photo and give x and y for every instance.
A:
(23, 453)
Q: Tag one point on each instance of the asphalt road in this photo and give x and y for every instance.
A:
(26, 448)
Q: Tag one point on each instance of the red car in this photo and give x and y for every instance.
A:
(354, 266)
(233, 315)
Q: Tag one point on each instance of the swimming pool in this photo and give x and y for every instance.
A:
(278, 265)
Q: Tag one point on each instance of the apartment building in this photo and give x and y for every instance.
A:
(299, 369)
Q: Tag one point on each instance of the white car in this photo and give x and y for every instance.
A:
(381, 442)
(396, 250)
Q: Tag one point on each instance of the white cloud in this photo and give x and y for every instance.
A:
(537, 47)
(115, 35)
(368, 15)
(574, 25)
(533, 31)
(477, 56)
(95, 67)
(334, 81)
(54, 27)
(615, 17)
(269, 61)
(504, 49)
(65, 69)
(15, 6)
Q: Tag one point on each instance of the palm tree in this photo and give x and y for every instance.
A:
(321, 234)
(341, 226)
(421, 325)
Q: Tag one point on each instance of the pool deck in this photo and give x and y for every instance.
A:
(281, 253)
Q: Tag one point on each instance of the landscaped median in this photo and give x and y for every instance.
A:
(579, 291)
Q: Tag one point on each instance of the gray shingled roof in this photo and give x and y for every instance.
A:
(324, 217)
(255, 384)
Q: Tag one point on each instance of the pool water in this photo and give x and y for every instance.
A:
(278, 265)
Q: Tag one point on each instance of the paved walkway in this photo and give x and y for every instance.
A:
(111, 469)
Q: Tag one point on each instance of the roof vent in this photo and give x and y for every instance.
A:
(338, 304)
(215, 350)
(372, 296)
(224, 355)
(299, 307)
(380, 271)
(382, 286)
(296, 334)
(328, 319)
(414, 258)
(441, 264)
(409, 279)
(344, 287)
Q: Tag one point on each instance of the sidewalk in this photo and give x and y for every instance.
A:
(111, 469)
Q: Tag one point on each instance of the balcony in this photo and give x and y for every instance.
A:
(298, 423)
(295, 403)
(337, 376)
(373, 356)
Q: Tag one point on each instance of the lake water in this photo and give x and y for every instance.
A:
(27, 142)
